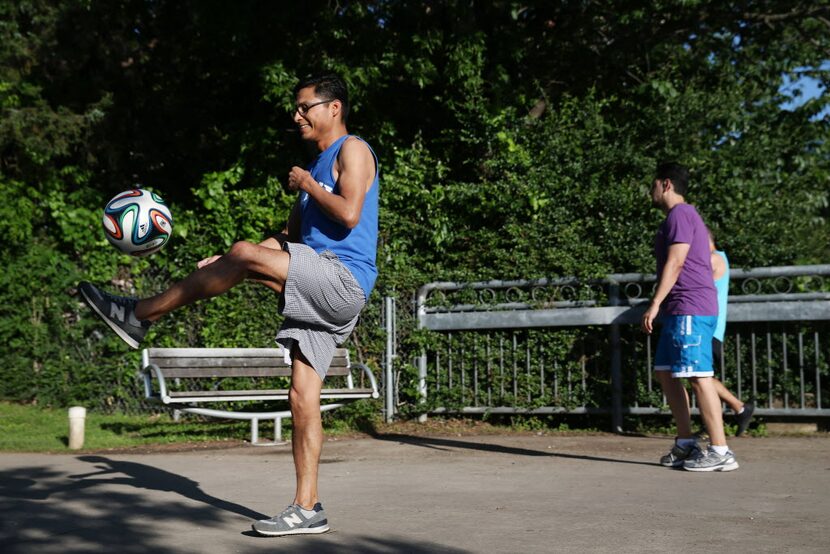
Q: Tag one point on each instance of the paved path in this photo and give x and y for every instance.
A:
(400, 493)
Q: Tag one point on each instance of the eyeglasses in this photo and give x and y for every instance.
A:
(303, 109)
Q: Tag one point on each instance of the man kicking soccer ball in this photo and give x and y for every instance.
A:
(322, 265)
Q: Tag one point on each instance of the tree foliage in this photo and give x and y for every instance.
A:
(516, 139)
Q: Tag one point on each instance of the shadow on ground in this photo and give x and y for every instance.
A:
(440, 443)
(35, 512)
(36, 517)
(328, 544)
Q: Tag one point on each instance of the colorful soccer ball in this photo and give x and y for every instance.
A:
(138, 222)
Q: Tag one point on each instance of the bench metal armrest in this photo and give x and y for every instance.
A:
(371, 376)
(147, 372)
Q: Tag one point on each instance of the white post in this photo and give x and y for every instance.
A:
(77, 417)
(389, 376)
(422, 382)
(421, 301)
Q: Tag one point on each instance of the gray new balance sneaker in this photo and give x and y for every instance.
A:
(679, 454)
(292, 521)
(117, 311)
(711, 461)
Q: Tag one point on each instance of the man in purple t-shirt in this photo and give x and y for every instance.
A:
(687, 298)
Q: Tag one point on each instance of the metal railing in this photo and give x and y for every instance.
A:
(570, 346)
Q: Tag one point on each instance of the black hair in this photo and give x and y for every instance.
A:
(328, 86)
(677, 173)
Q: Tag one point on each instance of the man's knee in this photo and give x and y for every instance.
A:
(303, 402)
(241, 251)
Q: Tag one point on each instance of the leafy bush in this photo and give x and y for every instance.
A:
(513, 142)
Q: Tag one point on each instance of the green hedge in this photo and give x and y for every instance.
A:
(514, 143)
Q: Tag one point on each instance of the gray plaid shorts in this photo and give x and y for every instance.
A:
(321, 303)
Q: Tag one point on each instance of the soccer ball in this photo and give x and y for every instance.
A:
(137, 222)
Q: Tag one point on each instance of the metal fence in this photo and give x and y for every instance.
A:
(569, 346)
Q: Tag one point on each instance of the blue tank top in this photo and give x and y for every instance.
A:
(722, 285)
(356, 248)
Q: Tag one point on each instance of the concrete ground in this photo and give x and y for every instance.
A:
(403, 493)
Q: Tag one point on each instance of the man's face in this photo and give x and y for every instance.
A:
(657, 190)
(312, 114)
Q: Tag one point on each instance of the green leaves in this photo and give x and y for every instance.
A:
(192, 99)
(230, 214)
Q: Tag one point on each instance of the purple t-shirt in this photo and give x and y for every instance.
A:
(694, 292)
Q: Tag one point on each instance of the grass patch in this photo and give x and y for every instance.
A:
(26, 428)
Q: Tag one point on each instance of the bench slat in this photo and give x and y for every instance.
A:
(279, 393)
(232, 362)
(210, 372)
(219, 362)
(226, 352)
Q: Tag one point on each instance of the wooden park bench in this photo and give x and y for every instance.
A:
(184, 378)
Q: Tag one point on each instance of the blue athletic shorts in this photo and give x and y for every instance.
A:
(685, 346)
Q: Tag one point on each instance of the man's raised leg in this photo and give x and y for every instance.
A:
(131, 317)
(244, 260)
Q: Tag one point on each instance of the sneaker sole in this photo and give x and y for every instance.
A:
(118, 330)
(299, 531)
(726, 467)
(676, 463)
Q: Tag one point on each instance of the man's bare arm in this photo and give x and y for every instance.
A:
(355, 173)
(668, 277)
(718, 266)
